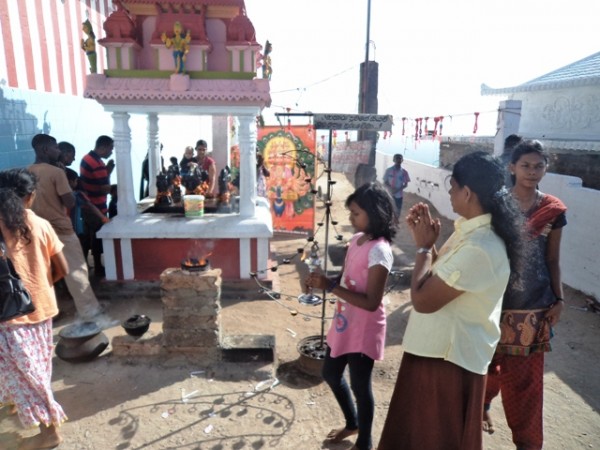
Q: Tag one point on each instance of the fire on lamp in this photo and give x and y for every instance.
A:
(196, 264)
(197, 257)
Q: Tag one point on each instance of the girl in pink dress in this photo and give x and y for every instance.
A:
(356, 337)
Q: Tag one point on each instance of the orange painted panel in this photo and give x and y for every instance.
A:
(289, 154)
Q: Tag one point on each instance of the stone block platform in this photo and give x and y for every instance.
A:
(191, 303)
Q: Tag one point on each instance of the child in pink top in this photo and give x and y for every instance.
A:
(356, 337)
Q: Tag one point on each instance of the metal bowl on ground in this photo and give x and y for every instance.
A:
(81, 342)
(137, 325)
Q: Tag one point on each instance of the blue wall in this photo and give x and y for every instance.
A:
(24, 113)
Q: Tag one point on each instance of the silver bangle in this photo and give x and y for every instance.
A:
(424, 250)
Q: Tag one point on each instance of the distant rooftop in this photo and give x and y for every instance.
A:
(584, 72)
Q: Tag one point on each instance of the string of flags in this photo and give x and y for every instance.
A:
(427, 127)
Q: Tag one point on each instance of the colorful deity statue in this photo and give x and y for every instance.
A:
(180, 45)
(267, 69)
(88, 45)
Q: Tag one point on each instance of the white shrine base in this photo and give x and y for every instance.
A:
(140, 247)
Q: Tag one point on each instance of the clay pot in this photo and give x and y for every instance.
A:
(81, 342)
(136, 325)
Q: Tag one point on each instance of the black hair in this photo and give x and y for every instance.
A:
(15, 186)
(41, 140)
(201, 142)
(511, 142)
(484, 175)
(66, 147)
(71, 176)
(377, 202)
(529, 146)
(525, 148)
(104, 141)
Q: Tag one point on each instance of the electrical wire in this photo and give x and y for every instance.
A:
(316, 82)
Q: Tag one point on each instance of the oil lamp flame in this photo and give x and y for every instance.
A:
(196, 264)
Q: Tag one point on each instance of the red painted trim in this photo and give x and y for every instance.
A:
(152, 256)
(82, 58)
(97, 28)
(43, 45)
(118, 258)
(9, 50)
(58, 46)
(27, 49)
(70, 47)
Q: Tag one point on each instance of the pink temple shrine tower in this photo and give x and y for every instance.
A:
(217, 79)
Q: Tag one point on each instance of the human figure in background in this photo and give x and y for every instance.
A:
(510, 143)
(357, 334)
(82, 203)
(95, 180)
(53, 197)
(396, 179)
(207, 164)
(187, 160)
(456, 295)
(262, 173)
(114, 200)
(67, 153)
(533, 303)
(26, 342)
(145, 179)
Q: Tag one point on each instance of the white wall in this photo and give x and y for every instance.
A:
(568, 114)
(580, 243)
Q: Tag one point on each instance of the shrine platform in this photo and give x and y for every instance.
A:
(140, 247)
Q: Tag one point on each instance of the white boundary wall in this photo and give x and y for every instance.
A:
(580, 249)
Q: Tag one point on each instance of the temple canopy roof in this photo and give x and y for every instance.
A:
(584, 72)
(201, 93)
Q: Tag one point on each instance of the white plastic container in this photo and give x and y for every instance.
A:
(193, 205)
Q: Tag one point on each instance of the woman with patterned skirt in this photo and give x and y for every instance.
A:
(26, 342)
(532, 303)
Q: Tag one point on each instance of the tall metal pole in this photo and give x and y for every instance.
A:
(363, 108)
(328, 204)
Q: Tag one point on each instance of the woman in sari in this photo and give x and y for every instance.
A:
(532, 303)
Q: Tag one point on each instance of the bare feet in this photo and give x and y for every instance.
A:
(488, 424)
(47, 439)
(340, 434)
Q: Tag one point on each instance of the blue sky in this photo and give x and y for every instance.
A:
(433, 56)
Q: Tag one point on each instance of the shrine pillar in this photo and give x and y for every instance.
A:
(509, 118)
(122, 137)
(247, 137)
(221, 141)
(154, 161)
